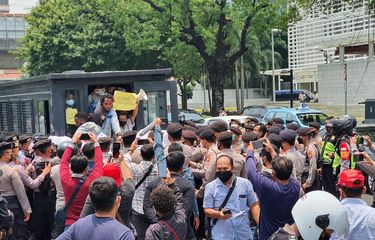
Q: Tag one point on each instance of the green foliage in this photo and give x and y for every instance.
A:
(76, 34)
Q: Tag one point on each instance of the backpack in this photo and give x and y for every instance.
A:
(45, 185)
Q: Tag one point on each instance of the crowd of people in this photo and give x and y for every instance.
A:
(238, 181)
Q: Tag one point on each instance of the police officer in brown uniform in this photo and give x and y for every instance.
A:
(174, 131)
(236, 139)
(12, 189)
(224, 145)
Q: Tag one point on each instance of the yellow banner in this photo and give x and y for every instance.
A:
(69, 115)
(124, 101)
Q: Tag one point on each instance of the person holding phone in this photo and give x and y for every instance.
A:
(230, 219)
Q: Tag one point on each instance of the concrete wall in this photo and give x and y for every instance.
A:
(252, 96)
(9, 61)
(361, 82)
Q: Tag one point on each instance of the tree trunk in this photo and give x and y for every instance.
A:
(237, 76)
(184, 95)
(216, 77)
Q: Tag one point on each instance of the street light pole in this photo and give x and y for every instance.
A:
(273, 65)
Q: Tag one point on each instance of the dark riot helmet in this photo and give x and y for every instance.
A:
(62, 146)
(343, 125)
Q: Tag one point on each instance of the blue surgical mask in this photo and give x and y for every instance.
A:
(243, 148)
(233, 138)
(70, 102)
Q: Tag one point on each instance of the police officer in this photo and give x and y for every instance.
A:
(315, 128)
(12, 189)
(24, 155)
(236, 139)
(14, 140)
(310, 180)
(224, 145)
(174, 131)
(44, 200)
(288, 140)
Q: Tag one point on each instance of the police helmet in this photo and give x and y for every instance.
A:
(344, 125)
(62, 146)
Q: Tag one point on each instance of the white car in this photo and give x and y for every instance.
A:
(227, 119)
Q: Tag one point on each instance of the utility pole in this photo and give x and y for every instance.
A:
(291, 88)
(273, 64)
(242, 84)
(346, 87)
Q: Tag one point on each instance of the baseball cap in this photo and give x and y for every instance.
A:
(351, 179)
(113, 171)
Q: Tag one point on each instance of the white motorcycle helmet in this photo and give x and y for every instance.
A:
(318, 211)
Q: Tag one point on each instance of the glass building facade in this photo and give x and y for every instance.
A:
(12, 28)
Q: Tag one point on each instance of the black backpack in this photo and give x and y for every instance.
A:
(46, 184)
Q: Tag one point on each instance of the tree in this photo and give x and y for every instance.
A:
(207, 25)
(78, 34)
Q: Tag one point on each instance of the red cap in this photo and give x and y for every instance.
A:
(113, 171)
(351, 179)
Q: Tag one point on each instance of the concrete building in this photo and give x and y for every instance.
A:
(324, 41)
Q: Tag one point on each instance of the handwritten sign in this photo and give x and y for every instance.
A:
(69, 115)
(124, 101)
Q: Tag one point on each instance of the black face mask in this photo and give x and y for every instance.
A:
(224, 176)
(122, 123)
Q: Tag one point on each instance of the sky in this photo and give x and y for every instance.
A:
(21, 6)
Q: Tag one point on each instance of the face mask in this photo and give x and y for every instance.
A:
(233, 138)
(224, 176)
(70, 102)
(243, 148)
(122, 123)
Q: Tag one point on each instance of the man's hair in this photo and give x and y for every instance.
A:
(352, 192)
(175, 161)
(191, 141)
(106, 96)
(43, 149)
(283, 167)
(103, 194)
(176, 136)
(82, 116)
(105, 146)
(290, 142)
(78, 164)
(226, 143)
(89, 150)
(211, 139)
(175, 147)
(262, 128)
(147, 152)
(231, 161)
(163, 199)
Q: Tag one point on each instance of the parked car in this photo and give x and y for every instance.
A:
(258, 111)
(190, 115)
(284, 95)
(301, 117)
(227, 119)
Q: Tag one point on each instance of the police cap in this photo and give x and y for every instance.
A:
(219, 126)
(236, 130)
(188, 135)
(288, 135)
(5, 146)
(249, 127)
(248, 137)
(278, 121)
(275, 129)
(189, 128)
(304, 131)
(315, 125)
(281, 126)
(207, 134)
(236, 121)
(293, 126)
(191, 124)
(275, 139)
(42, 143)
(252, 119)
(174, 128)
(25, 138)
(201, 129)
(223, 136)
(12, 138)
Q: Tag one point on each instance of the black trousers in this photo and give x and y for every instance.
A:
(140, 223)
(329, 179)
(42, 218)
(19, 229)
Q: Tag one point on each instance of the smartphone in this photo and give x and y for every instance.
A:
(227, 211)
(143, 141)
(85, 136)
(358, 156)
(116, 150)
(257, 144)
